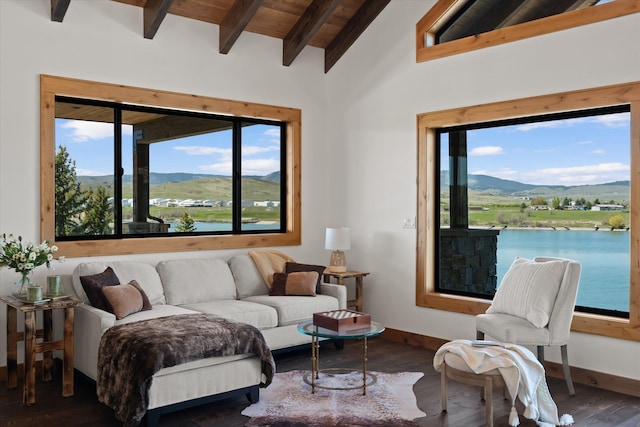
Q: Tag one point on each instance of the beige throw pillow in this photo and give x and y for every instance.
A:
(126, 299)
(529, 290)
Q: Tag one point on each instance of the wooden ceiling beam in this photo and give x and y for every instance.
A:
(369, 10)
(235, 21)
(305, 28)
(59, 9)
(153, 15)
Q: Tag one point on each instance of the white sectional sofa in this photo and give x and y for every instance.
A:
(233, 289)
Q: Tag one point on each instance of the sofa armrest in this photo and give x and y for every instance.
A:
(337, 291)
(89, 325)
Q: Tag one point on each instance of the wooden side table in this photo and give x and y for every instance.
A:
(46, 347)
(358, 275)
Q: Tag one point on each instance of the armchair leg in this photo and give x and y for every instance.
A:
(567, 370)
(479, 335)
(541, 354)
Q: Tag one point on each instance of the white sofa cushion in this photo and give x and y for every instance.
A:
(145, 274)
(249, 282)
(188, 281)
(295, 309)
(259, 315)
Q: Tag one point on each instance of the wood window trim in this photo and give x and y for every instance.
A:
(50, 86)
(429, 123)
(432, 20)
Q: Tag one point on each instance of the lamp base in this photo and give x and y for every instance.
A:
(338, 262)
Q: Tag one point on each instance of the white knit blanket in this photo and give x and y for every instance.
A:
(527, 382)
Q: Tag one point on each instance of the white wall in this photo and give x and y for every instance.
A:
(375, 93)
(359, 138)
(102, 41)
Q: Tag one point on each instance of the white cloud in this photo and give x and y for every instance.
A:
(584, 142)
(609, 120)
(505, 173)
(249, 167)
(487, 150)
(83, 131)
(221, 168)
(598, 152)
(201, 150)
(576, 175)
(251, 150)
(89, 172)
(272, 132)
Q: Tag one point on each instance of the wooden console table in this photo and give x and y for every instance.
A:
(358, 275)
(46, 347)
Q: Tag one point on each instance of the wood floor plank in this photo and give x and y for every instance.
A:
(589, 407)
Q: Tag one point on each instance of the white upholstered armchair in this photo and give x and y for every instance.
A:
(534, 306)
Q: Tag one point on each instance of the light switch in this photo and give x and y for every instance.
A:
(409, 222)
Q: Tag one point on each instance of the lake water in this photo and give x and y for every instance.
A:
(604, 255)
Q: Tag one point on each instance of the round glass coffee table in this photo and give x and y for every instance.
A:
(316, 332)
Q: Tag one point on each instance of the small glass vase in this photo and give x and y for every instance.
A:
(21, 285)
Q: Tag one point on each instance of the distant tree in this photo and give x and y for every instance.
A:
(555, 203)
(581, 201)
(616, 221)
(612, 202)
(566, 201)
(523, 206)
(185, 224)
(596, 201)
(588, 205)
(539, 201)
(98, 213)
(69, 197)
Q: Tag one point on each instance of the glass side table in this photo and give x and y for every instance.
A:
(316, 332)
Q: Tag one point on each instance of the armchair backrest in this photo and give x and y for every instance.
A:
(562, 313)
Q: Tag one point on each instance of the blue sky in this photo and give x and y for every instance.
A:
(588, 150)
(90, 144)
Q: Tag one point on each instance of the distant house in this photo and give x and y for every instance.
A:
(604, 207)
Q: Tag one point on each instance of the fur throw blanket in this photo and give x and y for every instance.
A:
(130, 354)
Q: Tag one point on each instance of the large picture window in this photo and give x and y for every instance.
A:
(165, 171)
(455, 149)
(554, 185)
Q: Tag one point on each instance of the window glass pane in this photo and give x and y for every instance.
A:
(84, 183)
(261, 172)
(558, 188)
(190, 169)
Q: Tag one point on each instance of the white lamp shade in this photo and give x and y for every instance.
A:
(338, 239)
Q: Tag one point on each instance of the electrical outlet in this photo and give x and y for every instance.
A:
(409, 222)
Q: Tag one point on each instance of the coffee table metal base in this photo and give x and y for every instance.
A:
(315, 368)
(312, 380)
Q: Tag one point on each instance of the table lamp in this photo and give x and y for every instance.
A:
(338, 240)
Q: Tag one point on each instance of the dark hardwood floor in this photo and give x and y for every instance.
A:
(589, 407)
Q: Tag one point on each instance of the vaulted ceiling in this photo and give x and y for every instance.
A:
(332, 25)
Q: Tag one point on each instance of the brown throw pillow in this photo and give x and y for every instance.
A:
(292, 267)
(93, 285)
(279, 285)
(126, 299)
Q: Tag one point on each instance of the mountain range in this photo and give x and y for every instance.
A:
(618, 190)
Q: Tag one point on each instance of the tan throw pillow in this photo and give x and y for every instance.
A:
(302, 283)
(529, 290)
(127, 299)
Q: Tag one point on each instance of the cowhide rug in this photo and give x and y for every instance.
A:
(288, 402)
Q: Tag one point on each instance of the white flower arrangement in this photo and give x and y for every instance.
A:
(24, 257)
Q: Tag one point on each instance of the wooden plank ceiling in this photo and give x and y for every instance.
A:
(332, 25)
